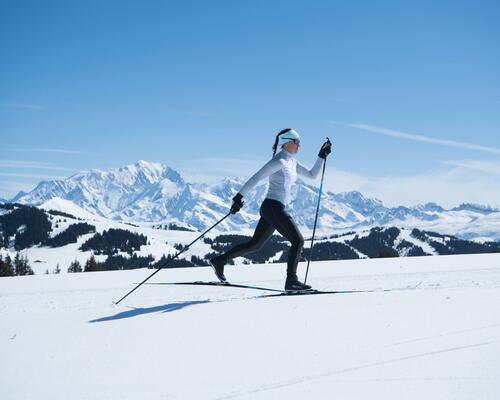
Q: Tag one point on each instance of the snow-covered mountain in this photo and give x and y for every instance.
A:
(153, 192)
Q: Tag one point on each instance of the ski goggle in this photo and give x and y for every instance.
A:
(296, 141)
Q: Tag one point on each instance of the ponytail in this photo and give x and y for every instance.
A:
(275, 145)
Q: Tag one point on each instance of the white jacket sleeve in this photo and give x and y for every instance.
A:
(269, 168)
(313, 172)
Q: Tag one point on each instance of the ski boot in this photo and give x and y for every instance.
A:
(217, 264)
(294, 285)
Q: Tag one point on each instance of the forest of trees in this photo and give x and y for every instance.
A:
(112, 263)
(75, 266)
(327, 251)
(28, 225)
(62, 214)
(119, 262)
(378, 243)
(113, 240)
(176, 263)
(18, 266)
(70, 235)
(448, 244)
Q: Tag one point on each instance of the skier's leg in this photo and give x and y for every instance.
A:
(286, 226)
(275, 213)
(262, 233)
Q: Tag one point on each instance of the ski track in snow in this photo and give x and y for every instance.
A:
(358, 367)
(436, 335)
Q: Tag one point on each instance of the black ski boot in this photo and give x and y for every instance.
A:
(217, 264)
(294, 285)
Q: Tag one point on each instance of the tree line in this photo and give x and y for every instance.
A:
(15, 267)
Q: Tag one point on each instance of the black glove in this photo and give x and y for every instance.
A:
(325, 149)
(237, 203)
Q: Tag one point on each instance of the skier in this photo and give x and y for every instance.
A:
(282, 171)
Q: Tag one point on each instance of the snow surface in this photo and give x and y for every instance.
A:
(62, 338)
(66, 206)
(160, 241)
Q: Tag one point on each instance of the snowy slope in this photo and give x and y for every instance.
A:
(66, 206)
(62, 214)
(152, 192)
(160, 242)
(62, 338)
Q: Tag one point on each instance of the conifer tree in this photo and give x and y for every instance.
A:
(18, 265)
(26, 267)
(75, 266)
(6, 268)
(92, 265)
(21, 266)
(57, 270)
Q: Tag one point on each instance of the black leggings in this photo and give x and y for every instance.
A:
(273, 217)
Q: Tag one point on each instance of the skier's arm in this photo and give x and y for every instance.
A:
(313, 172)
(269, 168)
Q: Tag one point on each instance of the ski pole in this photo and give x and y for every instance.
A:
(316, 218)
(174, 257)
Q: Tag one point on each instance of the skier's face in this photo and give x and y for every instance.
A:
(291, 147)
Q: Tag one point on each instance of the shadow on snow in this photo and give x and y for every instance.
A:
(140, 311)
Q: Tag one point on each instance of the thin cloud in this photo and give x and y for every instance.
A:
(213, 169)
(21, 163)
(422, 138)
(31, 176)
(222, 165)
(448, 186)
(33, 165)
(23, 105)
(47, 150)
(487, 167)
(9, 188)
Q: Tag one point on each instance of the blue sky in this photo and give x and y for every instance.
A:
(408, 91)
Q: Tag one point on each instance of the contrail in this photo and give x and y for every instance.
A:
(422, 138)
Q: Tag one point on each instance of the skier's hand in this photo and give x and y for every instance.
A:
(325, 149)
(237, 203)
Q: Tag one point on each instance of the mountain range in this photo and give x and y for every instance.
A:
(147, 192)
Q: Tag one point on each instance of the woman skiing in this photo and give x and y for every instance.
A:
(282, 171)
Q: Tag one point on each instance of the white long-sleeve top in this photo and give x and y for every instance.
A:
(282, 171)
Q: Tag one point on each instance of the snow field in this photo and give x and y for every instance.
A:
(63, 338)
